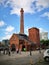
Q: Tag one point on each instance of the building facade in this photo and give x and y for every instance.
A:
(34, 36)
(21, 40)
(44, 36)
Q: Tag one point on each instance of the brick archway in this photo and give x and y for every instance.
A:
(23, 46)
(13, 47)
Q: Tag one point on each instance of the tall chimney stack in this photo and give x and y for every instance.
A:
(21, 21)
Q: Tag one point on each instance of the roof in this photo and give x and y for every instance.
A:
(34, 28)
(24, 37)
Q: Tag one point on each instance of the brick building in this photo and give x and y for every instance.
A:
(34, 36)
(21, 40)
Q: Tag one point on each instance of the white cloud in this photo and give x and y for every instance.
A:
(41, 4)
(9, 29)
(16, 5)
(26, 31)
(27, 5)
(44, 3)
(7, 37)
(42, 30)
(2, 1)
(2, 23)
(46, 14)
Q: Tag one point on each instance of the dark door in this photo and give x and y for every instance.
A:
(13, 48)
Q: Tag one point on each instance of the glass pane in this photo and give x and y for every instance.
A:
(48, 51)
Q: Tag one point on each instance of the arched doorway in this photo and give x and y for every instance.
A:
(13, 47)
(23, 48)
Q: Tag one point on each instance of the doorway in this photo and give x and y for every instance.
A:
(13, 48)
(23, 48)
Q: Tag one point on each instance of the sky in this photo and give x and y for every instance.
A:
(36, 14)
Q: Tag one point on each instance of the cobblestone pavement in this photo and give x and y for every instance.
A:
(21, 59)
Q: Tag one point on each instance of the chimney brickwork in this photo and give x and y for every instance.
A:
(21, 21)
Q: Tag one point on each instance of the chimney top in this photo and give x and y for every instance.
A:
(21, 10)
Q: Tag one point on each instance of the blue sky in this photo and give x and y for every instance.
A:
(36, 14)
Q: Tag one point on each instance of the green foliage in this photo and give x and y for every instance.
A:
(44, 42)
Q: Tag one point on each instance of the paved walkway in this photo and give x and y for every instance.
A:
(23, 58)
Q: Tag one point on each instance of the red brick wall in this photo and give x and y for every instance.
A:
(18, 43)
(14, 40)
(34, 35)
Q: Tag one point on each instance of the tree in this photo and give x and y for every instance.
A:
(44, 43)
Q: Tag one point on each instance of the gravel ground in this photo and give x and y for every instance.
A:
(42, 63)
(23, 59)
(13, 62)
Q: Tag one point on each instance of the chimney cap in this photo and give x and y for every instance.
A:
(21, 10)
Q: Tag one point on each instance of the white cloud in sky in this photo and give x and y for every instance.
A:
(2, 23)
(6, 37)
(8, 32)
(27, 5)
(2, 1)
(9, 29)
(44, 3)
(26, 31)
(41, 4)
(46, 14)
(18, 4)
(42, 30)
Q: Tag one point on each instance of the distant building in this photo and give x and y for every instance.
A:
(44, 36)
(5, 42)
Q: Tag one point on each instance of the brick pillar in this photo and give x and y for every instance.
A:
(17, 47)
(21, 21)
(20, 47)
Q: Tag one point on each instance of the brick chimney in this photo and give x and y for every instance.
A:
(21, 21)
